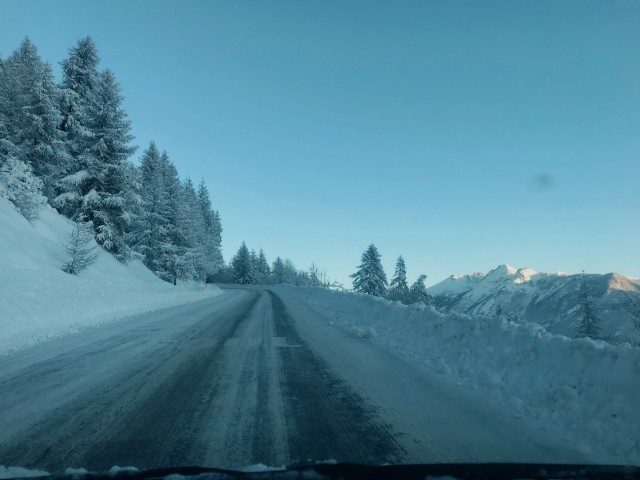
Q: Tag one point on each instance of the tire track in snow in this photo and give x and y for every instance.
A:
(149, 418)
(326, 418)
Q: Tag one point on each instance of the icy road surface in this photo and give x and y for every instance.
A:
(249, 377)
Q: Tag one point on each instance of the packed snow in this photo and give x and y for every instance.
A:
(585, 392)
(39, 301)
(19, 472)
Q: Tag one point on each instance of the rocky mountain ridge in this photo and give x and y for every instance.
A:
(548, 299)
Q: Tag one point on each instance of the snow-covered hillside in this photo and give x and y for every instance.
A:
(583, 391)
(38, 300)
(548, 299)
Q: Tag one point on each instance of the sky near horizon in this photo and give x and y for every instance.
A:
(460, 134)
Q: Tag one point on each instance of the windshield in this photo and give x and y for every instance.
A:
(261, 233)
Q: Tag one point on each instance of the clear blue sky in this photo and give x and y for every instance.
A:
(459, 134)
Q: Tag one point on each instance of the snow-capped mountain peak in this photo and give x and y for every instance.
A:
(622, 283)
(456, 284)
(548, 299)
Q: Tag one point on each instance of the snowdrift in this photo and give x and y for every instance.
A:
(38, 300)
(586, 392)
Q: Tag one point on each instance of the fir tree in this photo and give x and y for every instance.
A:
(175, 250)
(398, 288)
(589, 325)
(241, 264)
(290, 273)
(418, 292)
(370, 277)
(278, 273)
(98, 136)
(80, 249)
(111, 151)
(263, 272)
(21, 187)
(152, 224)
(212, 233)
(78, 96)
(30, 115)
(254, 264)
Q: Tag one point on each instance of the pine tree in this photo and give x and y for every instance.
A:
(253, 256)
(241, 264)
(111, 151)
(192, 224)
(98, 135)
(315, 276)
(78, 95)
(175, 251)
(80, 249)
(290, 273)
(370, 277)
(30, 115)
(278, 273)
(212, 240)
(589, 325)
(418, 292)
(263, 272)
(398, 288)
(634, 309)
(151, 227)
(21, 187)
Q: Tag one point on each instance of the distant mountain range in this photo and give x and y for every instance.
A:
(548, 299)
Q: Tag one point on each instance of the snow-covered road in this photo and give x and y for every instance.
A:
(252, 376)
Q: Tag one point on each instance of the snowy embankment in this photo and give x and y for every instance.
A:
(585, 392)
(39, 301)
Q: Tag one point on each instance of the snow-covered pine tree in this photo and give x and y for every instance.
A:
(253, 255)
(370, 277)
(278, 273)
(98, 136)
(176, 252)
(21, 187)
(315, 276)
(263, 272)
(290, 273)
(194, 232)
(212, 240)
(133, 205)
(111, 151)
(398, 288)
(634, 310)
(151, 225)
(241, 265)
(418, 292)
(7, 148)
(589, 325)
(78, 96)
(29, 102)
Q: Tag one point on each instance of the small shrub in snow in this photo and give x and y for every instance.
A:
(360, 332)
(21, 187)
(80, 249)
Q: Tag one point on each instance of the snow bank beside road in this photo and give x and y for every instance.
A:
(38, 300)
(585, 392)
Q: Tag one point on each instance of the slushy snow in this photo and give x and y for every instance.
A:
(39, 301)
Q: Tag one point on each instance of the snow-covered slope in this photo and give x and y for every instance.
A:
(548, 299)
(583, 391)
(38, 300)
